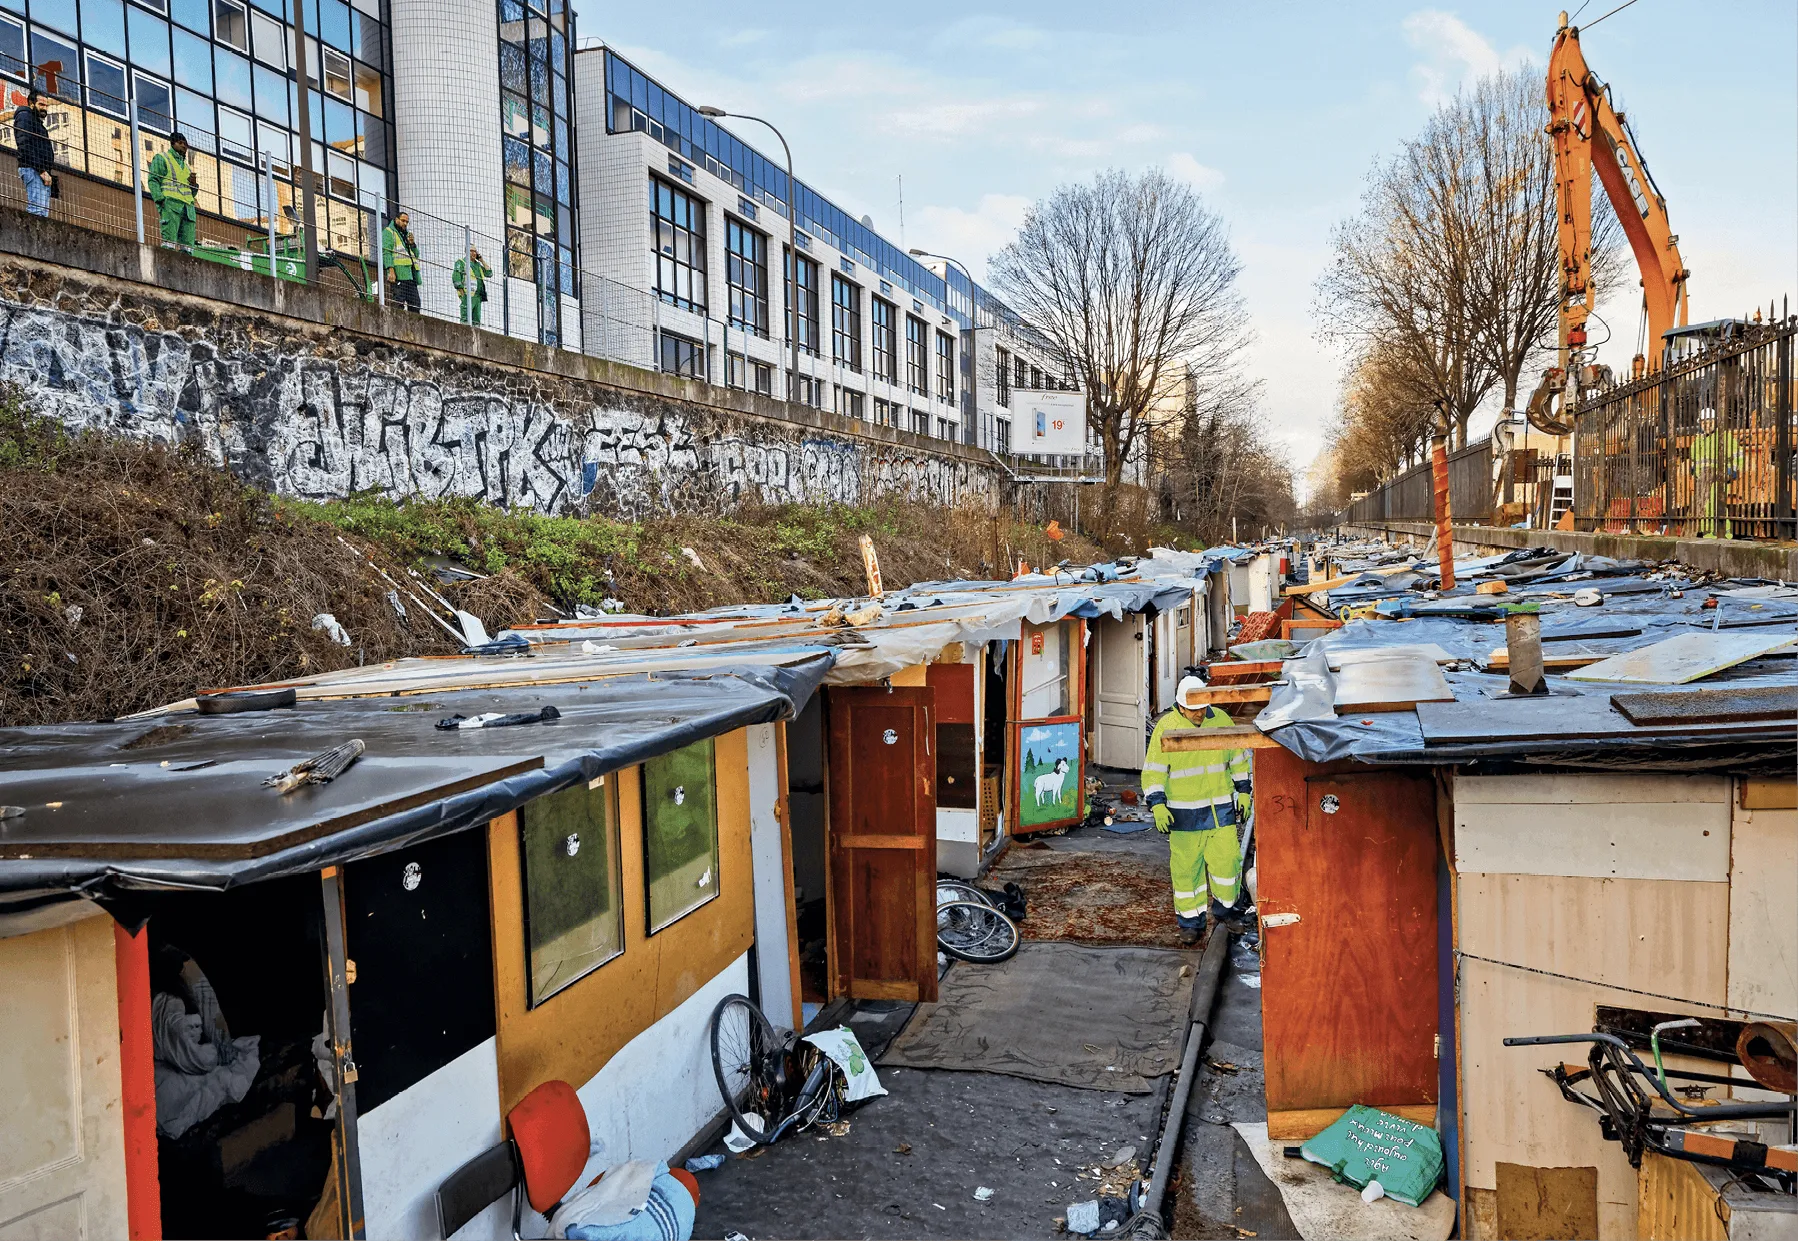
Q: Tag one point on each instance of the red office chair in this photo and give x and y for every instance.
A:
(541, 1161)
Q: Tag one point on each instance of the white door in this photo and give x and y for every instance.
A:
(1173, 651)
(62, 1142)
(1120, 692)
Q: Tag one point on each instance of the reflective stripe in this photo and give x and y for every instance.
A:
(1161, 767)
(1187, 896)
(1207, 770)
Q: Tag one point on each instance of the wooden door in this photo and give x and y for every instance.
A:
(1118, 688)
(62, 1139)
(883, 842)
(1347, 894)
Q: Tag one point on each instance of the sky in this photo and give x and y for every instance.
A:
(1275, 112)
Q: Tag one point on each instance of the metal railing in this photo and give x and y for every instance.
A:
(1702, 447)
(104, 147)
(1409, 497)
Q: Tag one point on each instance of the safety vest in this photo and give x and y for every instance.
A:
(1716, 450)
(1199, 786)
(459, 277)
(401, 252)
(172, 178)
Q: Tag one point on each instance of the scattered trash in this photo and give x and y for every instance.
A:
(1097, 1216)
(904, 1148)
(497, 719)
(11, 812)
(1083, 1218)
(1373, 1192)
(705, 1163)
(983, 1194)
(393, 600)
(861, 1082)
(72, 613)
(319, 769)
(595, 648)
(939, 1206)
(839, 1128)
(1223, 1066)
(693, 557)
(332, 630)
(1587, 598)
(1121, 1157)
(739, 1141)
(1364, 1140)
(734, 1235)
(1250, 980)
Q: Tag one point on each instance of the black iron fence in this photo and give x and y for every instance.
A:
(1702, 447)
(1410, 496)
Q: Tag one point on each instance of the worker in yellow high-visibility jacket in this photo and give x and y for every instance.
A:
(1198, 797)
(1716, 462)
(171, 183)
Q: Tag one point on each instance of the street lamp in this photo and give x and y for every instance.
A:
(792, 298)
(970, 409)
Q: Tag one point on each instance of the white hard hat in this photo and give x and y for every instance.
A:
(1186, 693)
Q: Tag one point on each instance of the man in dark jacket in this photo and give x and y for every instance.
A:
(36, 154)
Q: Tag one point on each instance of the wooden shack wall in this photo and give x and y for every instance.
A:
(1603, 879)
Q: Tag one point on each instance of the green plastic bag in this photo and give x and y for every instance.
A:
(1366, 1144)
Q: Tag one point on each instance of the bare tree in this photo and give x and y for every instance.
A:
(1215, 462)
(1133, 281)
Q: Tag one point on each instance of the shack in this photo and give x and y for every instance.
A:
(399, 954)
(1444, 864)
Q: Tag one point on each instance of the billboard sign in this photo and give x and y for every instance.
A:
(1054, 423)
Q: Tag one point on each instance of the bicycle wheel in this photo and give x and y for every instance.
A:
(746, 1058)
(975, 931)
(954, 890)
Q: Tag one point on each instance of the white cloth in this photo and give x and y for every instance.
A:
(620, 1194)
(191, 1083)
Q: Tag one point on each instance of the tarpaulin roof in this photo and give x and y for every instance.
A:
(179, 801)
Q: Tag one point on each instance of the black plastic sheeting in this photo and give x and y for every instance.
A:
(603, 727)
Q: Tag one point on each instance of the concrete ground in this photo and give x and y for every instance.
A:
(912, 1162)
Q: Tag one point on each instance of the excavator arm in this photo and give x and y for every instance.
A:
(1590, 135)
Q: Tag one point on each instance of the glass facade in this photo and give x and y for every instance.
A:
(746, 263)
(945, 368)
(222, 72)
(885, 316)
(845, 322)
(536, 104)
(806, 303)
(634, 101)
(917, 357)
(1003, 372)
(677, 224)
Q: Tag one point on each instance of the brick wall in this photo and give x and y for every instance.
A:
(310, 394)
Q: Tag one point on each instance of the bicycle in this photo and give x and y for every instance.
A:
(975, 931)
(772, 1082)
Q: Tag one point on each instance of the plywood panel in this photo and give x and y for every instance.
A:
(1655, 935)
(1676, 1203)
(1622, 840)
(1677, 660)
(576, 1031)
(1547, 1204)
(1763, 909)
(1390, 684)
(1579, 789)
(1349, 988)
(62, 1144)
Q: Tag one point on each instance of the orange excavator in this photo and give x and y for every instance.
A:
(1591, 135)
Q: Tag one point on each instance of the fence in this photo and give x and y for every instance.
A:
(250, 205)
(1410, 496)
(1703, 446)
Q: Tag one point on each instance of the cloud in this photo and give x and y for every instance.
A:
(971, 236)
(1037, 734)
(995, 32)
(1187, 168)
(1453, 53)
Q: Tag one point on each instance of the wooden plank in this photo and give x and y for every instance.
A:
(867, 841)
(1390, 685)
(1242, 669)
(1327, 584)
(1348, 996)
(1769, 795)
(1687, 657)
(1547, 1202)
(1235, 693)
(1307, 1123)
(1580, 789)
(1653, 935)
(1235, 737)
(1500, 659)
(1710, 706)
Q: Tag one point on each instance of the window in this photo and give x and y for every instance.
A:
(746, 274)
(573, 910)
(945, 430)
(678, 223)
(1004, 379)
(680, 833)
(806, 303)
(155, 106)
(1002, 433)
(680, 356)
(886, 340)
(106, 88)
(881, 412)
(1036, 378)
(945, 368)
(12, 46)
(535, 105)
(917, 356)
(850, 403)
(337, 74)
(920, 422)
(805, 389)
(750, 375)
(271, 40)
(845, 323)
(1019, 378)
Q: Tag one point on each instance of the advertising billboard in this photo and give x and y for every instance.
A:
(1054, 423)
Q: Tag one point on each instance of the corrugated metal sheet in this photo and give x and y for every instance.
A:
(1675, 1203)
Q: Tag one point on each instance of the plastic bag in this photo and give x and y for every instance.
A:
(843, 1049)
(1366, 1144)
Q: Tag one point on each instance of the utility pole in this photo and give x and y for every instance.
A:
(792, 236)
(307, 222)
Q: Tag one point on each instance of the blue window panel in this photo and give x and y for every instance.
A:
(512, 73)
(563, 149)
(274, 8)
(103, 25)
(518, 161)
(149, 41)
(271, 94)
(340, 124)
(196, 15)
(233, 77)
(193, 113)
(61, 15)
(318, 113)
(155, 104)
(334, 24)
(45, 48)
(543, 173)
(564, 185)
(17, 6)
(106, 87)
(12, 47)
(193, 62)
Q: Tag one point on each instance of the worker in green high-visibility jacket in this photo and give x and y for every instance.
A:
(172, 190)
(1716, 462)
(471, 298)
(399, 252)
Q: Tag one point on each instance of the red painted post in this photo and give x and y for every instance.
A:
(1445, 541)
(137, 1083)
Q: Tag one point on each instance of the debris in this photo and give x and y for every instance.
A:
(939, 1206)
(1365, 1140)
(983, 1194)
(1687, 657)
(904, 1148)
(319, 769)
(595, 648)
(1250, 980)
(393, 600)
(704, 1163)
(1121, 1157)
(837, 1128)
(1587, 598)
(739, 1141)
(1083, 1218)
(332, 630)
(693, 557)
(1496, 586)
(11, 812)
(72, 613)
(496, 719)
(1373, 1192)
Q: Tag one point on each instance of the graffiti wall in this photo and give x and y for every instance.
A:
(306, 412)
